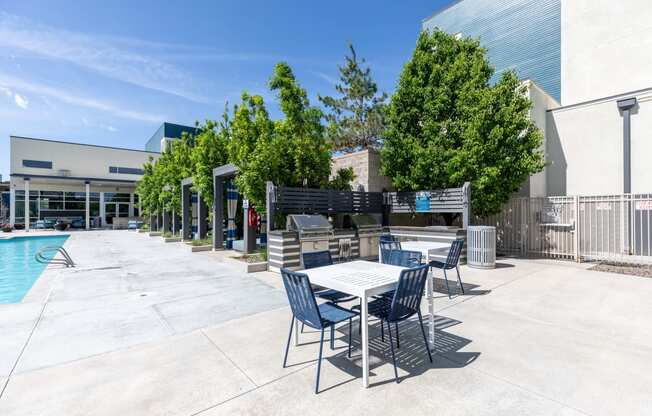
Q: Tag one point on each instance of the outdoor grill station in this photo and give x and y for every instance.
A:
(349, 223)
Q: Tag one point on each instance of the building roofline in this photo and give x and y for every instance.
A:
(82, 144)
(602, 99)
(440, 10)
(72, 178)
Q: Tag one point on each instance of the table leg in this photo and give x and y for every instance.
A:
(365, 342)
(431, 309)
(296, 332)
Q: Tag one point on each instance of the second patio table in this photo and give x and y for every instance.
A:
(362, 279)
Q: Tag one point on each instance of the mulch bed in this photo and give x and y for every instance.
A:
(630, 269)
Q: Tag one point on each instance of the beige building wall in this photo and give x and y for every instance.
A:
(536, 186)
(585, 147)
(366, 167)
(74, 160)
(606, 48)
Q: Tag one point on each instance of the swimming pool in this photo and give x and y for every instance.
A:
(18, 268)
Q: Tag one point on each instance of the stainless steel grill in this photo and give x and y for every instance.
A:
(314, 232)
(369, 230)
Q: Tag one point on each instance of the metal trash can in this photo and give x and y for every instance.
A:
(481, 246)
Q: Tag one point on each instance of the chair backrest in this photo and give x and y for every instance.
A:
(409, 290)
(386, 247)
(387, 237)
(454, 253)
(301, 298)
(317, 259)
(405, 258)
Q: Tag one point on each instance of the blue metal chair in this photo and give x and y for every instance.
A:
(305, 310)
(403, 305)
(387, 237)
(451, 262)
(402, 258)
(386, 247)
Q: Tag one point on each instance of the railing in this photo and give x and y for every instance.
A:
(594, 228)
(66, 260)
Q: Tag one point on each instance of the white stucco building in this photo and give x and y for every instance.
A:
(84, 183)
(592, 98)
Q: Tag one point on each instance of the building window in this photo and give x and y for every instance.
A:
(128, 171)
(40, 164)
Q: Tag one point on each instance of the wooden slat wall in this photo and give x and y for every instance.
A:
(441, 200)
(326, 201)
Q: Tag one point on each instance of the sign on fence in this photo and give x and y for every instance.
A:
(422, 202)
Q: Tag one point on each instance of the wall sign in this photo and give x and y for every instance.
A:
(423, 202)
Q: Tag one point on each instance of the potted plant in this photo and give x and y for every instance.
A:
(6, 228)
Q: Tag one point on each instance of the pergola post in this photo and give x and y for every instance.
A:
(88, 205)
(249, 232)
(218, 213)
(466, 202)
(166, 221)
(152, 222)
(202, 217)
(185, 212)
(270, 206)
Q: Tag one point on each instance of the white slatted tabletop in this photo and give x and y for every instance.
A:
(425, 247)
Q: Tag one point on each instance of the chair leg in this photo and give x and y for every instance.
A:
(459, 279)
(332, 337)
(448, 289)
(350, 324)
(360, 320)
(391, 346)
(321, 348)
(423, 332)
(302, 325)
(397, 342)
(382, 330)
(287, 347)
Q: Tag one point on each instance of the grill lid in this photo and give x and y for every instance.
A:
(309, 223)
(365, 221)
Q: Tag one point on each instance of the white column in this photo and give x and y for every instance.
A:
(102, 211)
(12, 205)
(88, 205)
(26, 204)
(131, 205)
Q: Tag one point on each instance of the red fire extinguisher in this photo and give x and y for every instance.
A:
(253, 218)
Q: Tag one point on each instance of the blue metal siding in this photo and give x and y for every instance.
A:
(170, 130)
(524, 35)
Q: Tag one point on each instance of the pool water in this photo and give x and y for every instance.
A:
(18, 268)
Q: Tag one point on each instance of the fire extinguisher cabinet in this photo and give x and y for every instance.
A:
(481, 247)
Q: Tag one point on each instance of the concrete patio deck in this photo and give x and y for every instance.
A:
(146, 328)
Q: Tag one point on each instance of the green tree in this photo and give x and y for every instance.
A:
(448, 125)
(210, 151)
(357, 119)
(289, 152)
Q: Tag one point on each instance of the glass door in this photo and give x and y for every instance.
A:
(110, 212)
(123, 210)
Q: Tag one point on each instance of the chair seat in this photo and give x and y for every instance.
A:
(332, 314)
(378, 307)
(441, 265)
(334, 296)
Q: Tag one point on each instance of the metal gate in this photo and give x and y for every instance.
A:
(604, 227)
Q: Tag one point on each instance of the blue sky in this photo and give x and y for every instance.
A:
(110, 73)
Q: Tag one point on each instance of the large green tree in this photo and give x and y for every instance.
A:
(210, 151)
(291, 151)
(447, 124)
(356, 119)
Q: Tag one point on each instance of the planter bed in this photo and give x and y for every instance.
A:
(171, 239)
(155, 234)
(251, 265)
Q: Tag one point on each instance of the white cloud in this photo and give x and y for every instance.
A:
(329, 79)
(21, 101)
(68, 97)
(98, 54)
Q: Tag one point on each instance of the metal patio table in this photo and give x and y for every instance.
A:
(362, 279)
